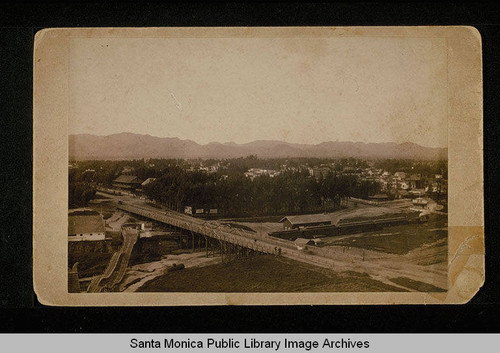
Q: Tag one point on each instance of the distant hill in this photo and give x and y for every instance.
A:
(130, 145)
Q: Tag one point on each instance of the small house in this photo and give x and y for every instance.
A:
(420, 203)
(302, 243)
(415, 181)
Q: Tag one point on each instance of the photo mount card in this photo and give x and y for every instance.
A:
(286, 166)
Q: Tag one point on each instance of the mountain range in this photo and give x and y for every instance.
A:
(136, 146)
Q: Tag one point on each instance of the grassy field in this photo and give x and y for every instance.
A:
(264, 274)
(372, 218)
(398, 239)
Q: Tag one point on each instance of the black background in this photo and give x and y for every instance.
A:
(19, 309)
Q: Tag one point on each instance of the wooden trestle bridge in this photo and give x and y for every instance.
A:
(218, 239)
(215, 237)
(226, 240)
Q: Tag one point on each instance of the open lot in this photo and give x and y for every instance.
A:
(264, 274)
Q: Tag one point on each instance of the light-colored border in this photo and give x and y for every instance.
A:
(50, 158)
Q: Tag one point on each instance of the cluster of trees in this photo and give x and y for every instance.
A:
(234, 194)
(81, 190)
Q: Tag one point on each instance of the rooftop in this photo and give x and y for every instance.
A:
(308, 218)
(127, 179)
(84, 222)
(147, 181)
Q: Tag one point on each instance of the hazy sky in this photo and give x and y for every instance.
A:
(301, 90)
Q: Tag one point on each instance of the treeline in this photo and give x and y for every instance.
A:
(241, 165)
(236, 195)
(105, 171)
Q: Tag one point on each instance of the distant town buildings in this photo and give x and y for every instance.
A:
(321, 171)
(255, 172)
(392, 185)
(201, 167)
(403, 185)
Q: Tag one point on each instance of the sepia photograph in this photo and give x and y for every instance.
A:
(278, 165)
(231, 161)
